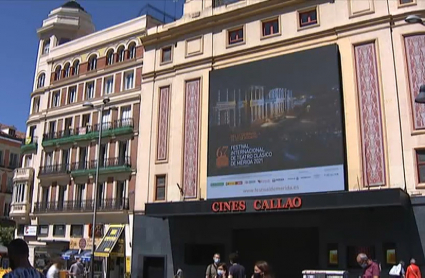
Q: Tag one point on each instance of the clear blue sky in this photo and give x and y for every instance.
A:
(19, 43)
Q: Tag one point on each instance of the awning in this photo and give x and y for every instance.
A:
(109, 244)
(68, 254)
(83, 254)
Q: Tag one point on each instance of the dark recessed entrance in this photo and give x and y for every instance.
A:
(288, 250)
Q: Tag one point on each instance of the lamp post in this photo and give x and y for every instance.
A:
(101, 110)
(414, 19)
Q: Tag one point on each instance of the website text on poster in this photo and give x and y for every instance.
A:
(275, 126)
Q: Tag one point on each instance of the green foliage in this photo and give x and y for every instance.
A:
(7, 234)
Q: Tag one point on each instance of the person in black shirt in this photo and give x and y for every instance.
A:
(236, 270)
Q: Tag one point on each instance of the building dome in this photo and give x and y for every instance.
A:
(73, 5)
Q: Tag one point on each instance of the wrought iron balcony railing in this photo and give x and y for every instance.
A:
(114, 204)
(54, 169)
(127, 122)
(104, 163)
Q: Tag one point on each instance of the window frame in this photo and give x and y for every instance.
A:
(43, 234)
(269, 20)
(157, 177)
(410, 3)
(230, 43)
(309, 24)
(170, 47)
(131, 52)
(105, 81)
(92, 63)
(70, 90)
(419, 164)
(54, 230)
(94, 89)
(71, 234)
(56, 93)
(127, 73)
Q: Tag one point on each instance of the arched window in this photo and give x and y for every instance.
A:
(110, 57)
(76, 67)
(46, 47)
(58, 72)
(132, 50)
(92, 62)
(67, 70)
(40, 80)
(121, 53)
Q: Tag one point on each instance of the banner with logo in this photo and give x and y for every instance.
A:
(275, 126)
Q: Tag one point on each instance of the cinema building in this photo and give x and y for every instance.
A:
(53, 190)
(335, 170)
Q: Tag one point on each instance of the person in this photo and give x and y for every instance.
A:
(262, 270)
(77, 269)
(413, 270)
(236, 270)
(222, 270)
(397, 271)
(370, 268)
(212, 268)
(53, 271)
(18, 260)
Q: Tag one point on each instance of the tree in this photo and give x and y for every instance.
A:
(7, 234)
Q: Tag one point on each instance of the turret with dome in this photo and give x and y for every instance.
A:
(66, 23)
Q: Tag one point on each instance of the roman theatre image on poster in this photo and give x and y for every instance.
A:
(276, 126)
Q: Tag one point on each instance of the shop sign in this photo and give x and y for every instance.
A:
(257, 205)
(30, 231)
(83, 243)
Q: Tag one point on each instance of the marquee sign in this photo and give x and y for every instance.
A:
(257, 205)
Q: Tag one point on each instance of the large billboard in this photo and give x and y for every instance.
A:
(276, 126)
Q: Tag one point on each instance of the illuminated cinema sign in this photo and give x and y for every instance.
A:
(257, 205)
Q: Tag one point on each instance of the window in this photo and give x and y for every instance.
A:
(90, 90)
(58, 73)
(270, 27)
(132, 51)
(106, 119)
(110, 57)
(308, 18)
(19, 194)
(63, 41)
(13, 160)
(67, 70)
(6, 209)
(77, 230)
(218, 3)
(85, 120)
(36, 105)
(9, 185)
(166, 54)
(40, 80)
(160, 188)
(56, 96)
(43, 230)
(128, 80)
(109, 85)
(76, 67)
(72, 94)
(126, 112)
(92, 63)
(1, 158)
(404, 2)
(49, 159)
(46, 47)
(235, 36)
(59, 230)
(20, 230)
(420, 157)
(121, 54)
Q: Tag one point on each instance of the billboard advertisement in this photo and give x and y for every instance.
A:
(276, 126)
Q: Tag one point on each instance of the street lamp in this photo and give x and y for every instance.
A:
(101, 110)
(414, 19)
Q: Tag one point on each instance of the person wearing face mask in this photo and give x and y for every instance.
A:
(212, 268)
(370, 268)
(222, 270)
(262, 270)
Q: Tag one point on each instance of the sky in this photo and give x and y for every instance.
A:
(19, 43)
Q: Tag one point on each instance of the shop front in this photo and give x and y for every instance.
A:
(292, 233)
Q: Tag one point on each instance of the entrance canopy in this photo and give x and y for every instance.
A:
(109, 244)
(303, 202)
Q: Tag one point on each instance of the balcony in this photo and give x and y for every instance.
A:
(58, 173)
(88, 133)
(29, 145)
(20, 212)
(23, 175)
(105, 205)
(120, 167)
